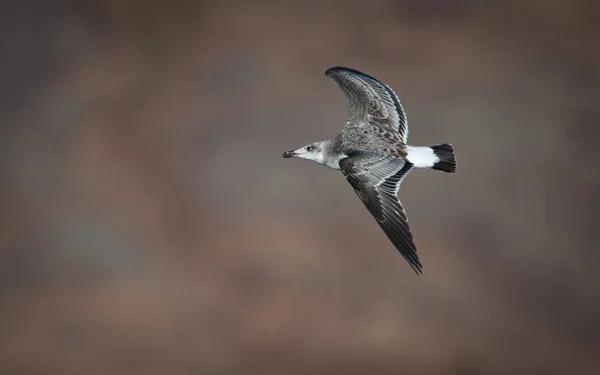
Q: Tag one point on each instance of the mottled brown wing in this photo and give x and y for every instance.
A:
(376, 179)
(370, 100)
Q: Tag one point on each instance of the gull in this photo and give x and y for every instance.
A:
(372, 153)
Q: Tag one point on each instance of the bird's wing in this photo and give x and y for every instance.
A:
(376, 179)
(370, 100)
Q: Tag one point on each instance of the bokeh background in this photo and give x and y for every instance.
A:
(149, 225)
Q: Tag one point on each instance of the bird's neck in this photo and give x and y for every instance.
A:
(332, 157)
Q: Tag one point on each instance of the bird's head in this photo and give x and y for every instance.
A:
(314, 151)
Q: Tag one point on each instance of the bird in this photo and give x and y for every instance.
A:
(373, 154)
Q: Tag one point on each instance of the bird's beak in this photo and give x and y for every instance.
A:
(289, 154)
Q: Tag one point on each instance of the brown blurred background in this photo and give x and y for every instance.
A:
(150, 226)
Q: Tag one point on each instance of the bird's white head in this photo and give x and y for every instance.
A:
(314, 151)
(319, 152)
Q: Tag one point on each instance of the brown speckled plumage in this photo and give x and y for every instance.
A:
(372, 153)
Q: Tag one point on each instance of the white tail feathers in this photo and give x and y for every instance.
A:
(438, 157)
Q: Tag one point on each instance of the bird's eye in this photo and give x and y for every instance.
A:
(309, 148)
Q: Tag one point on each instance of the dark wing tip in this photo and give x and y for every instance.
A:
(415, 264)
(410, 255)
(406, 247)
(337, 69)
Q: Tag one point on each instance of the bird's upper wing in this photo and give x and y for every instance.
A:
(370, 100)
(376, 179)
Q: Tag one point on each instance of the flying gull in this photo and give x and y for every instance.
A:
(372, 153)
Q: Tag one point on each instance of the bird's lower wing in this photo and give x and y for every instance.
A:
(376, 179)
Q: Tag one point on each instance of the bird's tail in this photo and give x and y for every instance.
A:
(445, 154)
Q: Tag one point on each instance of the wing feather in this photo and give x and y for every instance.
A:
(370, 100)
(376, 179)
